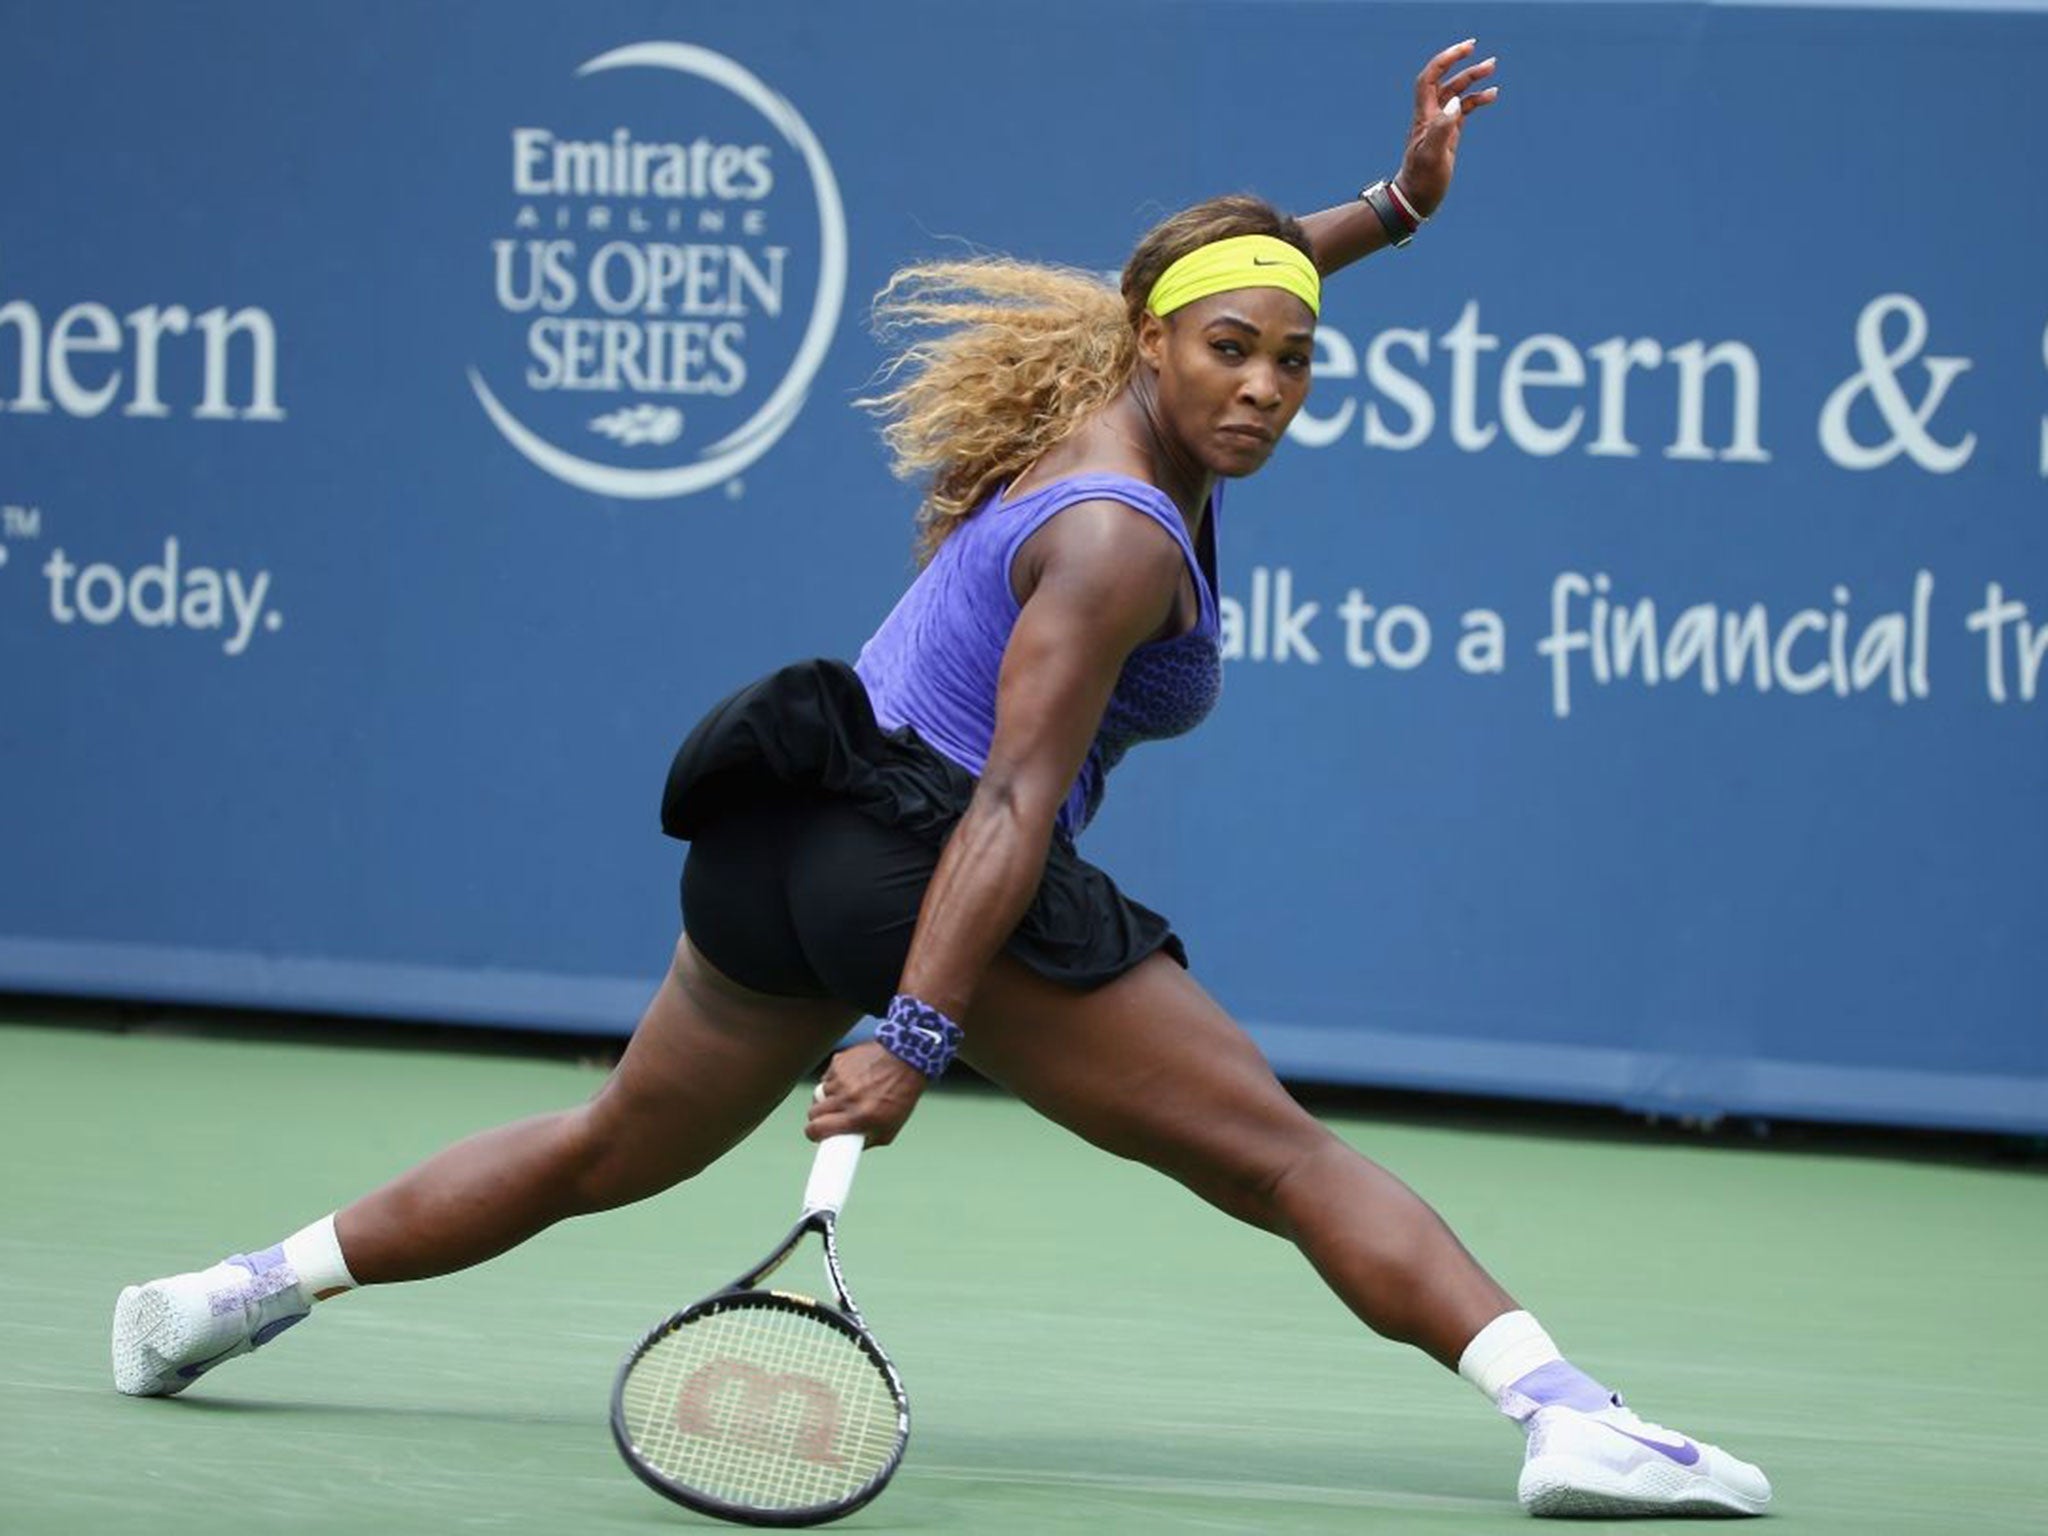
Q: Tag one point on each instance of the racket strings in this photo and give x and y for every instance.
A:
(764, 1406)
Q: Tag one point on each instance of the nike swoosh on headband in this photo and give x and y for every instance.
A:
(1237, 261)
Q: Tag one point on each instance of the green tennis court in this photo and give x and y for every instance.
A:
(1087, 1348)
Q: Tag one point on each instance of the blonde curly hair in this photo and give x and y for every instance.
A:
(1002, 359)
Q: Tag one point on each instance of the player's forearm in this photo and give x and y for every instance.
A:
(985, 881)
(1341, 235)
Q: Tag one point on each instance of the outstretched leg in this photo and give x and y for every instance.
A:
(1149, 1067)
(709, 1060)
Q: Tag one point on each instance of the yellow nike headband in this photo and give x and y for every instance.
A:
(1242, 261)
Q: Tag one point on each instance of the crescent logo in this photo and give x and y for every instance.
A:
(671, 317)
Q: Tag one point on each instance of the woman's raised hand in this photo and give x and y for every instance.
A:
(1443, 100)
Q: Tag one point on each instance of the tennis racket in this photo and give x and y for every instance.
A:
(768, 1407)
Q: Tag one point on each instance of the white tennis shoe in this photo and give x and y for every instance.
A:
(1608, 1462)
(170, 1332)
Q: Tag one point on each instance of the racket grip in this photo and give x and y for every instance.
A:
(832, 1172)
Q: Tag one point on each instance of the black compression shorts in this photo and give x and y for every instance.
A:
(800, 895)
(813, 834)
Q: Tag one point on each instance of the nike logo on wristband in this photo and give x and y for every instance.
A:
(1260, 261)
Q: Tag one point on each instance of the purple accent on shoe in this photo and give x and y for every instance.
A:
(199, 1368)
(918, 1034)
(277, 1325)
(259, 1263)
(1685, 1453)
(268, 1275)
(1561, 1384)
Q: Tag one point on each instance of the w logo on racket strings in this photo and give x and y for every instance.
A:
(753, 1400)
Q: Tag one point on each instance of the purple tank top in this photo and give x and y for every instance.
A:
(934, 662)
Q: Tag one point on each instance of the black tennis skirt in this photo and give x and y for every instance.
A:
(814, 833)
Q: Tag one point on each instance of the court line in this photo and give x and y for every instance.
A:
(1350, 1495)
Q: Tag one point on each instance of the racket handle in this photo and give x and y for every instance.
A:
(832, 1172)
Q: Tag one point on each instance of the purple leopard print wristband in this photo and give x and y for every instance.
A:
(919, 1034)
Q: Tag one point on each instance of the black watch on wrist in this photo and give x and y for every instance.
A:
(1392, 220)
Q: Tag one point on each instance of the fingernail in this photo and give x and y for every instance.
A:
(1492, 58)
(1470, 42)
(1451, 107)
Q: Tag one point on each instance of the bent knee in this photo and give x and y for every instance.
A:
(614, 1159)
(1254, 1177)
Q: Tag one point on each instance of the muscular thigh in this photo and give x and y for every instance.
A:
(709, 1060)
(1148, 1067)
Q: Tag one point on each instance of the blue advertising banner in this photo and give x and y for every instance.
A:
(412, 415)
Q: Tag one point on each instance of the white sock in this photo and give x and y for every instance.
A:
(314, 1254)
(1504, 1351)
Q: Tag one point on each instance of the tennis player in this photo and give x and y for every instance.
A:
(895, 838)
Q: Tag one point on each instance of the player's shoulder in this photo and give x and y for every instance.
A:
(1110, 537)
(1111, 572)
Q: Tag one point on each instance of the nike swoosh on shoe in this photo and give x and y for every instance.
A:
(197, 1368)
(1685, 1453)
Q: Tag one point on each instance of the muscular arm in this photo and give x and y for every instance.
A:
(1341, 235)
(1106, 580)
